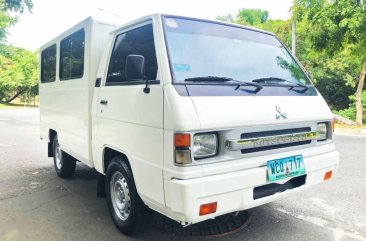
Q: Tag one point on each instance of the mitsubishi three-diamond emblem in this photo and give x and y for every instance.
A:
(280, 114)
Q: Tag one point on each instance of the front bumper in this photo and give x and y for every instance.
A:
(233, 191)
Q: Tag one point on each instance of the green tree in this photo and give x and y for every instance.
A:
(11, 6)
(259, 18)
(251, 16)
(351, 111)
(337, 26)
(226, 18)
(18, 72)
(18, 67)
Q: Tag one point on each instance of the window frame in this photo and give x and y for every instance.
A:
(42, 66)
(60, 64)
(132, 82)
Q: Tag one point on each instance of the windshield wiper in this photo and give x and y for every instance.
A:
(291, 84)
(208, 78)
(234, 82)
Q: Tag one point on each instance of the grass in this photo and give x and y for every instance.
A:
(337, 125)
(3, 106)
(7, 106)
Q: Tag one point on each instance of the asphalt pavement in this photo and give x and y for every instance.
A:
(37, 205)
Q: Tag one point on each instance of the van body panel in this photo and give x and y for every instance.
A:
(180, 112)
(65, 105)
(226, 111)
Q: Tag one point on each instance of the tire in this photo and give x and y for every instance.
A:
(129, 213)
(64, 164)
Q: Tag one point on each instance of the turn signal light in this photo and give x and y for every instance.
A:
(328, 175)
(208, 208)
(182, 140)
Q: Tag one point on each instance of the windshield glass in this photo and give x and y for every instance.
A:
(198, 49)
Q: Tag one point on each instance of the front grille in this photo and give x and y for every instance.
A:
(274, 133)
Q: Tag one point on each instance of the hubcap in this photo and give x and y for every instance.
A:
(58, 156)
(120, 195)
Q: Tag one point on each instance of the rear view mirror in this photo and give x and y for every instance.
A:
(135, 67)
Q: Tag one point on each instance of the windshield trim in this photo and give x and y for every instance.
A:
(173, 77)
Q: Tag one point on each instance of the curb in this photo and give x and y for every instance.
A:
(361, 131)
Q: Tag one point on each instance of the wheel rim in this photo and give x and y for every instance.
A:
(120, 195)
(58, 157)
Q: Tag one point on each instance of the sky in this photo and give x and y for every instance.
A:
(49, 18)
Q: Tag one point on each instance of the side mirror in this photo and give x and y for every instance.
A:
(135, 69)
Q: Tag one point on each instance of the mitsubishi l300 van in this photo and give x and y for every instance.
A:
(191, 118)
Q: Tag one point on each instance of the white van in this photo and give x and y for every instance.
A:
(191, 118)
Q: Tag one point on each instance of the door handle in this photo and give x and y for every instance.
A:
(104, 102)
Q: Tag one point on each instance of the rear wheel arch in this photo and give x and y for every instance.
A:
(64, 163)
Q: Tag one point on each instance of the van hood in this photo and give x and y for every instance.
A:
(223, 111)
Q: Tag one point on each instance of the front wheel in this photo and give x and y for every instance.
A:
(64, 164)
(129, 213)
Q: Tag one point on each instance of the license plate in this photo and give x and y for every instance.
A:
(285, 167)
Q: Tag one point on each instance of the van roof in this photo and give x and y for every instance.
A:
(77, 25)
(159, 15)
(145, 18)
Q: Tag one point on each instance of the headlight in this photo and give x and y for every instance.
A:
(322, 131)
(205, 145)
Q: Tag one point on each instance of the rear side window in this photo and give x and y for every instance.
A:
(48, 64)
(72, 56)
(139, 41)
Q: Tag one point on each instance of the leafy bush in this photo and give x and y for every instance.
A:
(350, 112)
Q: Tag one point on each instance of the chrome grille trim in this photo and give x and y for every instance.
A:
(240, 144)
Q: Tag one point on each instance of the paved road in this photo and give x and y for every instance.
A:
(36, 205)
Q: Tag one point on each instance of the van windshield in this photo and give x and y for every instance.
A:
(199, 50)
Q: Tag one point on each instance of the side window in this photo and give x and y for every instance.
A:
(48, 64)
(138, 41)
(72, 56)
